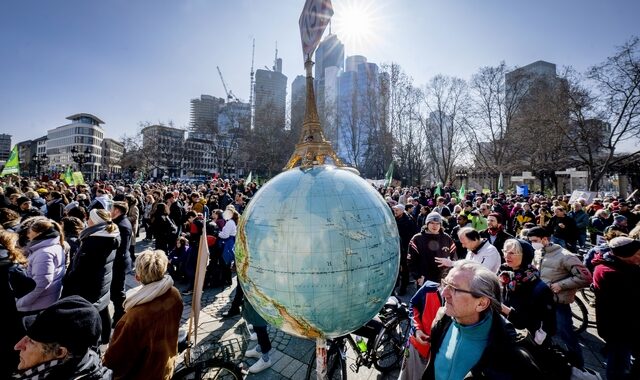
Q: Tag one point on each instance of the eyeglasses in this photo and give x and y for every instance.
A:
(446, 285)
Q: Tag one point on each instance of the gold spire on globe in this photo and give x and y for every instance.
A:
(313, 148)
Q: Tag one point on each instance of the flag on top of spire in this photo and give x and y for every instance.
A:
(314, 19)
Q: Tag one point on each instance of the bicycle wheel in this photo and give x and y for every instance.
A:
(389, 345)
(210, 369)
(336, 366)
(580, 315)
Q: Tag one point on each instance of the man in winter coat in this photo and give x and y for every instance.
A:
(565, 274)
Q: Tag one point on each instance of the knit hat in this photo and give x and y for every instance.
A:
(623, 246)
(433, 217)
(22, 200)
(95, 218)
(72, 322)
(619, 218)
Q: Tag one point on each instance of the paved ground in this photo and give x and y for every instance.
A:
(293, 354)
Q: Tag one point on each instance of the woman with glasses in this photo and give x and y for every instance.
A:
(469, 337)
(527, 301)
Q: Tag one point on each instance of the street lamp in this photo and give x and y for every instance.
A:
(80, 158)
(40, 160)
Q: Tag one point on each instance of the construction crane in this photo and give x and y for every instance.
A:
(230, 95)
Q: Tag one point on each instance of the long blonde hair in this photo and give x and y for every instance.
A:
(9, 241)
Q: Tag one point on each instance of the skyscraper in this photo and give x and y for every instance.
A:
(330, 52)
(204, 113)
(298, 104)
(5, 147)
(270, 97)
(361, 110)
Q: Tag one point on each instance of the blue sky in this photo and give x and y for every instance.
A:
(133, 61)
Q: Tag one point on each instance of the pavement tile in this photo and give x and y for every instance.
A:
(282, 363)
(291, 369)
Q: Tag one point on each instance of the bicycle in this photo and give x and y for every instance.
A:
(213, 360)
(385, 337)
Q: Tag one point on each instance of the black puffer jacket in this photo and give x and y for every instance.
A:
(91, 270)
(14, 283)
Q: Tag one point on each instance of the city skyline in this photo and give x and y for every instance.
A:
(136, 62)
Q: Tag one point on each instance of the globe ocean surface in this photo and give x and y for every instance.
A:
(317, 252)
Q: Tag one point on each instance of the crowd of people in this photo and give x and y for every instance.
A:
(65, 252)
(503, 262)
(485, 266)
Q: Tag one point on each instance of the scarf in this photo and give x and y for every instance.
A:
(38, 372)
(147, 293)
(494, 231)
(511, 279)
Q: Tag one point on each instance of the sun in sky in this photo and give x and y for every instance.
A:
(355, 23)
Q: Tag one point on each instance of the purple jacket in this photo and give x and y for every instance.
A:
(47, 268)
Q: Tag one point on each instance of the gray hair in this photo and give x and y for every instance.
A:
(483, 282)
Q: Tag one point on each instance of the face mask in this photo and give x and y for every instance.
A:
(537, 246)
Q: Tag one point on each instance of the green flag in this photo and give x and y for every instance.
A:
(438, 191)
(389, 176)
(461, 192)
(13, 165)
(68, 177)
(249, 178)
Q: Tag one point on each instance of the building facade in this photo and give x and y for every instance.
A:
(112, 152)
(234, 115)
(204, 113)
(199, 158)
(83, 135)
(330, 53)
(5, 147)
(164, 150)
(270, 97)
(298, 103)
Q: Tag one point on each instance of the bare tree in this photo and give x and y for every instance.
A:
(617, 98)
(404, 134)
(493, 108)
(446, 103)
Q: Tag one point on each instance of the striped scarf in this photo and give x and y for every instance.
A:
(38, 372)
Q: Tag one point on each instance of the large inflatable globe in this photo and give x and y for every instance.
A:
(317, 252)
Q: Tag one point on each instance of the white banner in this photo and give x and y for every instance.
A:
(313, 21)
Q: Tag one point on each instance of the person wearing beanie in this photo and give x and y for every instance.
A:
(616, 286)
(59, 343)
(427, 245)
(620, 223)
(25, 209)
(564, 273)
(406, 229)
